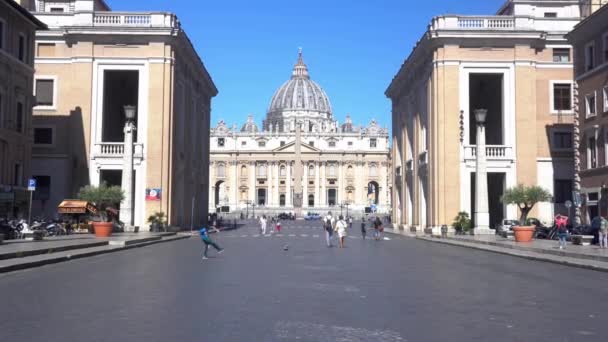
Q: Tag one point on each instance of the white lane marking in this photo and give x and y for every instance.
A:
(315, 236)
(256, 235)
(304, 235)
(387, 239)
(320, 332)
(244, 235)
(292, 235)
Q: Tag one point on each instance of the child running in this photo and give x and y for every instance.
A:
(207, 240)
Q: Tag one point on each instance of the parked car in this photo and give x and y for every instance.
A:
(287, 216)
(312, 217)
(505, 227)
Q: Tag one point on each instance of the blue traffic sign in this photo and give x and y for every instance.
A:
(31, 184)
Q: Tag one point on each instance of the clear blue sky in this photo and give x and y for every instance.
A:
(353, 48)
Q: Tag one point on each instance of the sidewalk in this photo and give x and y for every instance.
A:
(589, 257)
(22, 254)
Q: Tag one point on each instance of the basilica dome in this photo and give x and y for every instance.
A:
(299, 97)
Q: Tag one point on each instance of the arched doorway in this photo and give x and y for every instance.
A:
(220, 193)
(311, 200)
(282, 200)
(373, 192)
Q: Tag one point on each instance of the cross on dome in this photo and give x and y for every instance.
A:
(300, 70)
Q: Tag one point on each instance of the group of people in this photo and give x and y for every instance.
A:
(275, 224)
(339, 226)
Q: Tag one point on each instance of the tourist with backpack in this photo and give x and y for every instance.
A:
(328, 226)
(603, 233)
(378, 229)
(341, 230)
(363, 230)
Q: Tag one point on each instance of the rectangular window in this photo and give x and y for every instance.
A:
(282, 143)
(17, 175)
(350, 143)
(372, 143)
(43, 136)
(261, 143)
(550, 14)
(243, 143)
(591, 153)
(1, 34)
(19, 126)
(562, 140)
(561, 55)
(43, 188)
(57, 10)
(590, 105)
(562, 190)
(21, 52)
(220, 142)
(589, 56)
(311, 143)
(45, 89)
(332, 144)
(562, 97)
(593, 196)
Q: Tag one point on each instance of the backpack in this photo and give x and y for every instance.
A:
(603, 225)
(327, 225)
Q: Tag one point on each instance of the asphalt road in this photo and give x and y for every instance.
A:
(392, 290)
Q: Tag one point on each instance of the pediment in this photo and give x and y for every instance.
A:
(291, 148)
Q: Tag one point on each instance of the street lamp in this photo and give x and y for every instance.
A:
(126, 207)
(482, 214)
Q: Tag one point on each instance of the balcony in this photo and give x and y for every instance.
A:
(116, 151)
(493, 152)
(109, 19)
(501, 23)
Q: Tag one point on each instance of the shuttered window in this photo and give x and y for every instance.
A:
(44, 92)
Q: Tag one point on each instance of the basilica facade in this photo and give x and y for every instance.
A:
(340, 166)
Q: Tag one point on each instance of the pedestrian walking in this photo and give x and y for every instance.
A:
(350, 223)
(263, 223)
(363, 230)
(278, 226)
(603, 233)
(377, 228)
(562, 230)
(341, 230)
(328, 225)
(207, 241)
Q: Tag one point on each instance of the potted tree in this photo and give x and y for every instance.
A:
(103, 197)
(525, 197)
(462, 223)
(157, 221)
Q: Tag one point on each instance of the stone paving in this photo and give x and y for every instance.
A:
(401, 289)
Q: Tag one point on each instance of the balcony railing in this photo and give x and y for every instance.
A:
(109, 19)
(493, 152)
(502, 23)
(116, 150)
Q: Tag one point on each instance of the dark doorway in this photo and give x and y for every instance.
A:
(218, 191)
(373, 192)
(110, 177)
(486, 92)
(496, 188)
(261, 194)
(332, 197)
(311, 200)
(120, 88)
(282, 200)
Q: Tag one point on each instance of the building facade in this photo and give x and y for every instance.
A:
(89, 65)
(516, 65)
(342, 165)
(590, 42)
(17, 31)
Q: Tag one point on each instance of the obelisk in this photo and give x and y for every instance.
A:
(297, 174)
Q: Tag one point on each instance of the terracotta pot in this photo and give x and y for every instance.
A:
(524, 233)
(102, 229)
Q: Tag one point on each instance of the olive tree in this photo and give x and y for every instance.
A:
(525, 197)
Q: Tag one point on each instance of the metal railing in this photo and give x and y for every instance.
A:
(492, 152)
(116, 150)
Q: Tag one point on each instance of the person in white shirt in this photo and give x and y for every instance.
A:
(341, 230)
(328, 225)
(263, 224)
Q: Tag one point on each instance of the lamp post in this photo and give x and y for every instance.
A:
(482, 214)
(126, 207)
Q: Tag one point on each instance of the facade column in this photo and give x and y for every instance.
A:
(234, 173)
(288, 201)
(340, 191)
(269, 174)
(482, 215)
(317, 180)
(276, 195)
(252, 182)
(305, 186)
(359, 184)
(323, 197)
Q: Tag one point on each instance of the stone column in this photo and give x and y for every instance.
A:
(211, 184)
(323, 198)
(340, 192)
(126, 206)
(277, 175)
(269, 174)
(234, 172)
(252, 182)
(305, 186)
(482, 214)
(288, 199)
(317, 185)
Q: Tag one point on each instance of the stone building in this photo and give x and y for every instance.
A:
(89, 65)
(17, 31)
(516, 64)
(590, 42)
(341, 164)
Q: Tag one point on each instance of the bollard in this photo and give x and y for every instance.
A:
(444, 231)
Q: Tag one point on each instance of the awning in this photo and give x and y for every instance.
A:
(76, 207)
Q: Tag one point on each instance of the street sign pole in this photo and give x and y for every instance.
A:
(31, 187)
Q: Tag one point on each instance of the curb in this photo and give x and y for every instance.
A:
(572, 262)
(59, 259)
